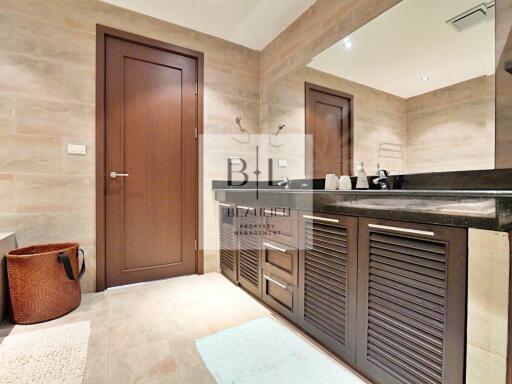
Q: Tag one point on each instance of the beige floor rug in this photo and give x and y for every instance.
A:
(48, 356)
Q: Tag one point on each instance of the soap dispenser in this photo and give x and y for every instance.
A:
(362, 178)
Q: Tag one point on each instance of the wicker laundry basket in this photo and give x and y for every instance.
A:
(44, 281)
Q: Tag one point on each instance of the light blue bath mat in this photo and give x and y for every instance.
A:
(263, 351)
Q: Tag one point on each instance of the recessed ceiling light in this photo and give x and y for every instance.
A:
(347, 43)
(425, 78)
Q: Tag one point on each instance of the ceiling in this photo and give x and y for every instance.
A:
(410, 41)
(251, 23)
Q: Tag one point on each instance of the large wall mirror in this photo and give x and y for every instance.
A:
(414, 90)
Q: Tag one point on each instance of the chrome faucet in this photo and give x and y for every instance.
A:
(382, 178)
(285, 182)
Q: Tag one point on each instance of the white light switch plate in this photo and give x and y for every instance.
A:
(282, 163)
(77, 149)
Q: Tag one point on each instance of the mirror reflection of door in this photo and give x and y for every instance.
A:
(329, 128)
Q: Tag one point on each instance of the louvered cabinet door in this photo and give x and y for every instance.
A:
(249, 255)
(327, 274)
(228, 243)
(411, 302)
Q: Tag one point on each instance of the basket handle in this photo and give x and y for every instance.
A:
(64, 259)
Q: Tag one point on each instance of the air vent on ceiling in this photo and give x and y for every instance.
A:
(472, 17)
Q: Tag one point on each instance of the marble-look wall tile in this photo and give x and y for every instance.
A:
(54, 193)
(37, 38)
(7, 114)
(448, 126)
(487, 324)
(6, 31)
(30, 154)
(7, 193)
(47, 99)
(38, 228)
(29, 75)
(38, 116)
(79, 83)
(79, 164)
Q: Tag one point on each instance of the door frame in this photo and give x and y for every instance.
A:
(308, 88)
(102, 32)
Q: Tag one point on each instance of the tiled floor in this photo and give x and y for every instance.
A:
(145, 333)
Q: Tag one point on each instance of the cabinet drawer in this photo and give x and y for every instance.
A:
(281, 225)
(280, 295)
(281, 259)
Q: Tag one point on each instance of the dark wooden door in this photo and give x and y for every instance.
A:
(151, 118)
(327, 280)
(411, 302)
(329, 132)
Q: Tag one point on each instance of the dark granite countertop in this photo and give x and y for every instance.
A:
(483, 209)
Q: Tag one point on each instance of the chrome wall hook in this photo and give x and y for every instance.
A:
(238, 122)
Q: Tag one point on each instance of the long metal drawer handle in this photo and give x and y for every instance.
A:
(224, 205)
(275, 213)
(321, 219)
(274, 247)
(244, 207)
(278, 283)
(405, 230)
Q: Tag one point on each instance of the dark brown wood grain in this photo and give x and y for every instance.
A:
(329, 131)
(228, 242)
(411, 302)
(147, 224)
(328, 281)
(280, 277)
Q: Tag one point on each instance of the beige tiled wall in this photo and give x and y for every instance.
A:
(488, 277)
(47, 100)
(379, 117)
(453, 128)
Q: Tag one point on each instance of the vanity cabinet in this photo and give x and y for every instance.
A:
(328, 280)
(280, 277)
(411, 302)
(281, 225)
(388, 297)
(228, 242)
(248, 224)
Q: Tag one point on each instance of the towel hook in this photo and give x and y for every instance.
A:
(238, 122)
(278, 130)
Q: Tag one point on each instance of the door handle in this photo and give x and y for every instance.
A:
(114, 174)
